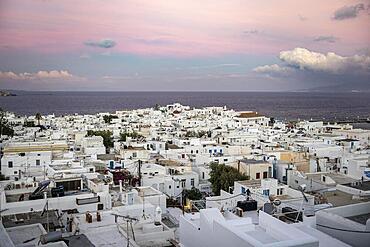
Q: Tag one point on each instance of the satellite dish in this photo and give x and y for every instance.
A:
(276, 202)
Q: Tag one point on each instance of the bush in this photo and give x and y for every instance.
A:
(108, 118)
(134, 135)
(193, 194)
(106, 134)
(222, 177)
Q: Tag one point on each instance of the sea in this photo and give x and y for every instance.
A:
(279, 105)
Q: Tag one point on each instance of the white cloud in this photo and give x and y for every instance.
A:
(213, 66)
(104, 43)
(330, 62)
(40, 75)
(273, 69)
(85, 56)
(330, 39)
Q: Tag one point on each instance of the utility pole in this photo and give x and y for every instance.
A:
(182, 202)
(128, 235)
(143, 204)
(139, 171)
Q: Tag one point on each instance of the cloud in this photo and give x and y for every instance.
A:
(40, 75)
(104, 43)
(215, 66)
(364, 51)
(348, 12)
(211, 66)
(85, 56)
(302, 18)
(252, 31)
(301, 59)
(329, 39)
(273, 69)
(304, 59)
(315, 70)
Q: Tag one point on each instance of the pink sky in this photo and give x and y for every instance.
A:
(154, 44)
(179, 27)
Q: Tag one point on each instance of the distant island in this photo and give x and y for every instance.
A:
(6, 93)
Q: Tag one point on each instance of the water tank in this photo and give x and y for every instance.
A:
(158, 215)
(51, 237)
(247, 205)
(130, 198)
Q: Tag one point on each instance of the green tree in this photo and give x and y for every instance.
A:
(5, 128)
(106, 134)
(222, 177)
(134, 135)
(108, 118)
(157, 107)
(193, 194)
(38, 117)
(28, 124)
(192, 133)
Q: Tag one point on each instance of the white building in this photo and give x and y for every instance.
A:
(211, 228)
(93, 145)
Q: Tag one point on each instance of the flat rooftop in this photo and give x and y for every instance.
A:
(252, 161)
(337, 177)
(29, 234)
(78, 241)
(339, 198)
(31, 218)
(360, 185)
(361, 218)
(250, 183)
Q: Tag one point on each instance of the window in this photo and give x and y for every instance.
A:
(258, 175)
(37, 162)
(279, 192)
(10, 164)
(243, 190)
(169, 186)
(266, 192)
(15, 172)
(183, 183)
(264, 174)
(192, 182)
(202, 175)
